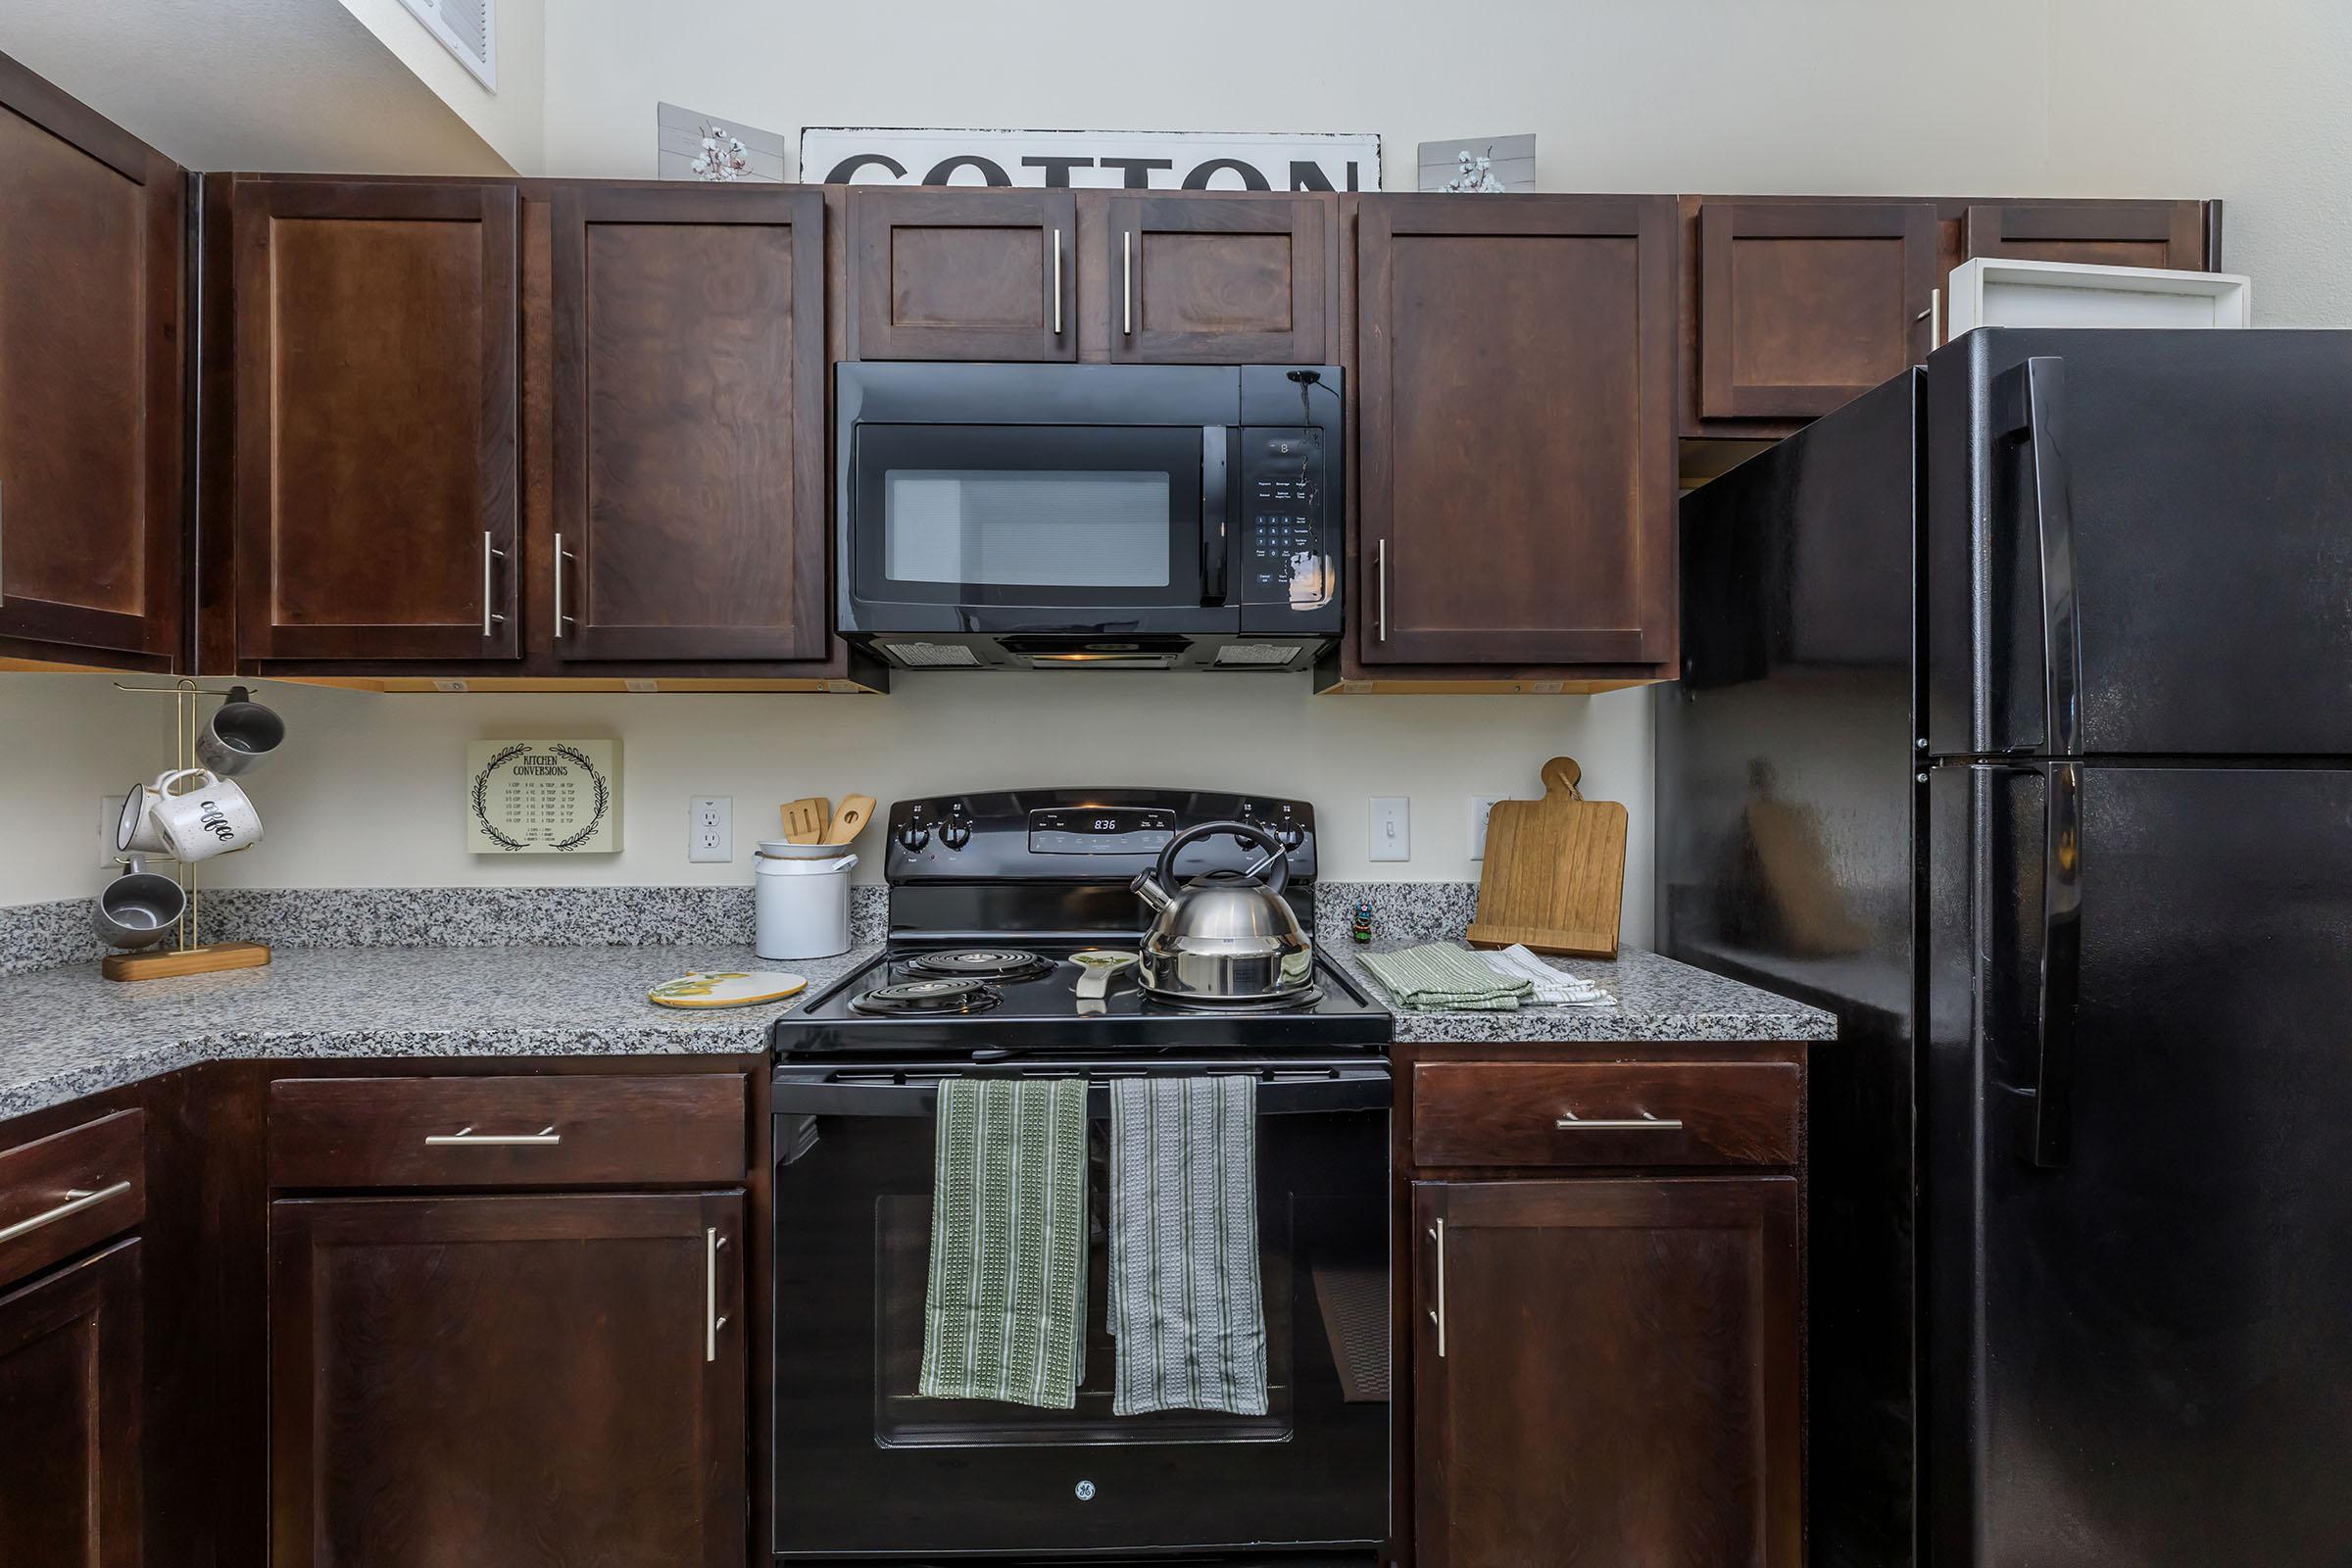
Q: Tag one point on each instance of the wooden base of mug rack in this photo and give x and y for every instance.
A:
(184, 960)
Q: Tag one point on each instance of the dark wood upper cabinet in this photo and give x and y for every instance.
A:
(1607, 1372)
(376, 393)
(962, 274)
(1805, 305)
(70, 1406)
(1222, 279)
(507, 1379)
(690, 515)
(2103, 233)
(92, 404)
(1515, 384)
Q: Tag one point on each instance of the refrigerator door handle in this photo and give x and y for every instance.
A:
(2039, 403)
(2061, 964)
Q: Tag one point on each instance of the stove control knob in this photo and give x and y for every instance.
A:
(1288, 837)
(913, 836)
(955, 835)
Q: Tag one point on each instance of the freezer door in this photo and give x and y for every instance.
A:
(2147, 533)
(2137, 1343)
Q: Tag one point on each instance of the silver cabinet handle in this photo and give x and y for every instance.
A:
(3, 560)
(560, 617)
(490, 553)
(467, 1137)
(77, 1199)
(1380, 574)
(712, 1322)
(1935, 318)
(1057, 283)
(1643, 1123)
(1436, 1313)
(1127, 282)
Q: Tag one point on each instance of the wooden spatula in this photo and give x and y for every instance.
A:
(847, 821)
(1555, 876)
(806, 820)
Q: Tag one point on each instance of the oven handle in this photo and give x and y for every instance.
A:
(1213, 445)
(1279, 1095)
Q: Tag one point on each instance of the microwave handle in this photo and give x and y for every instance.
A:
(1213, 445)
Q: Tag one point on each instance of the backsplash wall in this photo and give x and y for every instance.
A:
(368, 790)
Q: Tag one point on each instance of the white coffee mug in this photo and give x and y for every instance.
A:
(209, 817)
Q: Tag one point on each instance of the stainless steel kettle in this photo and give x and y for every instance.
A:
(1225, 936)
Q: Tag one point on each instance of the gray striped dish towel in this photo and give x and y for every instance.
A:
(1184, 1300)
(1438, 976)
(1004, 1314)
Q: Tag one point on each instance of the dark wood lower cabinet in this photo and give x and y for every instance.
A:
(70, 1398)
(1607, 1372)
(535, 1380)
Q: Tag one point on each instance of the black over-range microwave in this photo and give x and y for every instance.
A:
(1089, 516)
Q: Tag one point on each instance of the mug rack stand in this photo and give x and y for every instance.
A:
(188, 953)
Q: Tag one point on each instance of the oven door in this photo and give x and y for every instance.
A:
(1039, 528)
(866, 1465)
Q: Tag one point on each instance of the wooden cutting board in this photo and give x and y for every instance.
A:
(1555, 876)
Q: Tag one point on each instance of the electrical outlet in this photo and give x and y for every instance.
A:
(1392, 828)
(710, 828)
(1480, 805)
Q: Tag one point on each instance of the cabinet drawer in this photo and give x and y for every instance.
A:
(1600, 1113)
(506, 1132)
(61, 1193)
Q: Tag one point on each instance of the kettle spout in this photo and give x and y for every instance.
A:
(1148, 890)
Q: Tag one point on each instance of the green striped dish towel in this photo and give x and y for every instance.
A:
(1185, 1305)
(1005, 1315)
(1440, 977)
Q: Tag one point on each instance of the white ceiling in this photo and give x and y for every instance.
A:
(294, 85)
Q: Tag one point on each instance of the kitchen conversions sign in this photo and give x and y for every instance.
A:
(543, 797)
(1127, 160)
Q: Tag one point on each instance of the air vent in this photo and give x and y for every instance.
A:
(466, 28)
(1257, 655)
(932, 655)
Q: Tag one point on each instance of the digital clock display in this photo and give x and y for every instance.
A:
(1100, 830)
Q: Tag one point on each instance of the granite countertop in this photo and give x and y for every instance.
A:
(69, 1032)
(1657, 998)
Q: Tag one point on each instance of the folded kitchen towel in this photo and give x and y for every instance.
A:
(1441, 977)
(1554, 987)
(1184, 1300)
(1004, 1313)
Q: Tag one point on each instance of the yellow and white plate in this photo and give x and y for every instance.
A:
(731, 988)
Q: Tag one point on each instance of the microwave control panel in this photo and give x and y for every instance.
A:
(1285, 549)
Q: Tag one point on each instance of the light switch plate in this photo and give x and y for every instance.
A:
(710, 828)
(1480, 805)
(1391, 828)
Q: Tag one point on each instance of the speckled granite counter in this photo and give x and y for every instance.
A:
(67, 1032)
(1657, 998)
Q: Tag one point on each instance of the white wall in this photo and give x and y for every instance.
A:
(513, 118)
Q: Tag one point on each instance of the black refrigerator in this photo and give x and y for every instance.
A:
(2015, 725)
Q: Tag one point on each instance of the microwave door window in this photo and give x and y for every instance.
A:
(1020, 528)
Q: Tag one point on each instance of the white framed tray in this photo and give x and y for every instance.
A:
(1989, 292)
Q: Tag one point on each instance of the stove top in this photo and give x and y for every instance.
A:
(923, 999)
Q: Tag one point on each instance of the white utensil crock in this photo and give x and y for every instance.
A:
(801, 907)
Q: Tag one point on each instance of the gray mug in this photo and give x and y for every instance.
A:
(239, 733)
(138, 908)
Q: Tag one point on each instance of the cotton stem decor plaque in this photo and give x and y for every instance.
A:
(543, 797)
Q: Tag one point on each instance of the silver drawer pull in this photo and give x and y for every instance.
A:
(1643, 1123)
(1436, 1314)
(77, 1199)
(468, 1137)
(713, 1320)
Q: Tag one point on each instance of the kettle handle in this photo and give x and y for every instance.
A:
(1277, 861)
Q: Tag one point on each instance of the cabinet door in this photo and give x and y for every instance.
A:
(688, 423)
(1518, 453)
(507, 1379)
(962, 274)
(1805, 305)
(376, 328)
(1231, 279)
(70, 1360)
(90, 383)
(1606, 1372)
(2102, 233)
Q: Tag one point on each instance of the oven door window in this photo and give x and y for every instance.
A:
(1028, 515)
(865, 1464)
